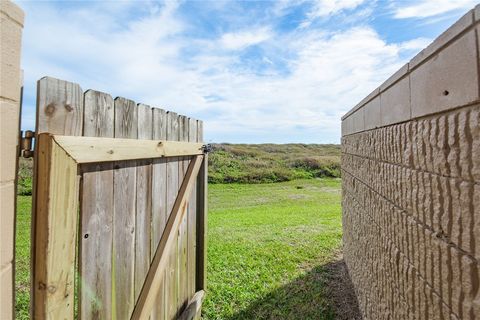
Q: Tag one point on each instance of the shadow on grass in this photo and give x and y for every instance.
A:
(326, 292)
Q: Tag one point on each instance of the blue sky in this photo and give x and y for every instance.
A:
(254, 71)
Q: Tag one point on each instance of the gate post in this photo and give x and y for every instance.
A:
(11, 26)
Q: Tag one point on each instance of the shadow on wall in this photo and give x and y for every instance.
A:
(326, 292)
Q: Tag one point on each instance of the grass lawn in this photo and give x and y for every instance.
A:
(269, 246)
(269, 250)
(22, 256)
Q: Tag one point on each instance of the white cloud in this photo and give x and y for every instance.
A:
(325, 8)
(430, 8)
(243, 39)
(415, 44)
(322, 8)
(153, 61)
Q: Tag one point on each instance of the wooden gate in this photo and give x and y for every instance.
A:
(119, 209)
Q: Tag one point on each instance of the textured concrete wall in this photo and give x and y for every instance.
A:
(411, 185)
(11, 25)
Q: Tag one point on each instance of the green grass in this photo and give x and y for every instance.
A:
(269, 246)
(22, 251)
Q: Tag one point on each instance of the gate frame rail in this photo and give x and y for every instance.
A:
(57, 205)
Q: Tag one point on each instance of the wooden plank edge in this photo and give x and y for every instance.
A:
(202, 211)
(194, 307)
(54, 289)
(94, 149)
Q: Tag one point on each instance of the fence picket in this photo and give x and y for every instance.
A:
(59, 111)
(159, 207)
(192, 222)
(124, 208)
(172, 191)
(182, 294)
(96, 234)
(124, 214)
(60, 107)
(144, 202)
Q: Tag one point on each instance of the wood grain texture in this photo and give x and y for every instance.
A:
(159, 205)
(167, 244)
(192, 221)
(93, 149)
(56, 232)
(59, 111)
(182, 285)
(59, 107)
(172, 191)
(202, 210)
(144, 202)
(98, 114)
(124, 214)
(125, 205)
(96, 215)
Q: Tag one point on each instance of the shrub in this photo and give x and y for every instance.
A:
(242, 163)
(25, 177)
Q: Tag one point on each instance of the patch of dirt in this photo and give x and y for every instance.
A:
(341, 290)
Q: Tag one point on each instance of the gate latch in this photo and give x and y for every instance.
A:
(26, 150)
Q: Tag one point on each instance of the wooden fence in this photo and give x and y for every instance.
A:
(109, 261)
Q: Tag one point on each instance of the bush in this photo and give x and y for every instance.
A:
(25, 177)
(242, 163)
(266, 163)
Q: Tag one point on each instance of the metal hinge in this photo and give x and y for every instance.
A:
(207, 148)
(26, 149)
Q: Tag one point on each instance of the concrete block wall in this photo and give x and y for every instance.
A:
(411, 185)
(11, 25)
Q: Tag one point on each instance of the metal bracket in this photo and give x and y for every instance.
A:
(26, 138)
(207, 148)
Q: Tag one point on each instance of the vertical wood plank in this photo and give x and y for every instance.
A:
(98, 114)
(59, 107)
(150, 289)
(159, 201)
(192, 221)
(124, 214)
(96, 215)
(144, 202)
(59, 111)
(172, 191)
(202, 210)
(182, 294)
(56, 232)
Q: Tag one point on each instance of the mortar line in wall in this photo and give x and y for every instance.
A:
(5, 99)
(406, 259)
(439, 112)
(393, 284)
(413, 169)
(7, 182)
(473, 25)
(12, 19)
(424, 225)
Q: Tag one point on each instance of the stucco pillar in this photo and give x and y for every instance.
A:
(11, 25)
